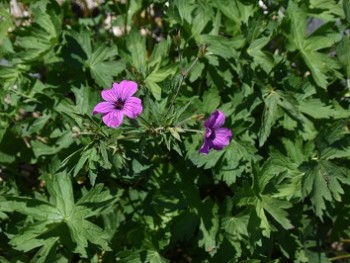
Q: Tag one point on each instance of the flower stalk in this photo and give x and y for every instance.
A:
(184, 74)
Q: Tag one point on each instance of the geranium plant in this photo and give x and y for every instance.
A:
(174, 131)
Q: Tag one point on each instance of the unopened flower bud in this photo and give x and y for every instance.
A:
(177, 38)
(202, 51)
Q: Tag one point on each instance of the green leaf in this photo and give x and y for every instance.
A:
(84, 41)
(6, 22)
(104, 154)
(84, 99)
(159, 53)
(29, 237)
(296, 150)
(343, 54)
(196, 71)
(259, 202)
(208, 226)
(208, 161)
(334, 141)
(210, 100)
(323, 183)
(4, 127)
(236, 161)
(60, 189)
(316, 108)
(99, 60)
(41, 148)
(318, 63)
(346, 8)
(202, 16)
(261, 58)
(9, 75)
(155, 89)
(3, 260)
(297, 18)
(38, 124)
(38, 209)
(47, 253)
(184, 9)
(102, 66)
(83, 159)
(322, 38)
(336, 152)
(137, 47)
(83, 231)
(53, 147)
(144, 256)
(158, 75)
(276, 208)
(270, 115)
(235, 228)
(238, 11)
(217, 45)
(43, 35)
(326, 9)
(61, 209)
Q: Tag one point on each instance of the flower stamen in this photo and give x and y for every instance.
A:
(119, 104)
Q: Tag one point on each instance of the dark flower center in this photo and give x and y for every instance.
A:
(119, 104)
(211, 134)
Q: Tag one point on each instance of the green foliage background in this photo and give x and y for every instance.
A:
(74, 190)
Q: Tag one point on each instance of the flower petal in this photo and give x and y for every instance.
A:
(208, 133)
(216, 120)
(125, 89)
(109, 95)
(207, 145)
(113, 119)
(132, 107)
(222, 138)
(103, 107)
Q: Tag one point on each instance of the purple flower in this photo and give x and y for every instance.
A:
(215, 136)
(119, 102)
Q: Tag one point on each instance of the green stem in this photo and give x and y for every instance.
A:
(180, 56)
(191, 67)
(187, 119)
(183, 76)
(181, 130)
(193, 130)
(340, 257)
(159, 129)
(175, 96)
(128, 137)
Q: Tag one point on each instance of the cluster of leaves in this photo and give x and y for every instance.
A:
(74, 190)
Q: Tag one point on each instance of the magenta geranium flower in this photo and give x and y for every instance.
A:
(119, 102)
(215, 136)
